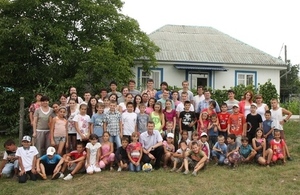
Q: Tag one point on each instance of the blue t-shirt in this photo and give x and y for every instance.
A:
(211, 132)
(245, 150)
(56, 158)
(267, 126)
(97, 120)
(223, 147)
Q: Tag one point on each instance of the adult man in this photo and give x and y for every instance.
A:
(103, 94)
(231, 101)
(132, 90)
(151, 141)
(205, 103)
(198, 98)
(145, 99)
(87, 96)
(113, 89)
(180, 106)
(165, 96)
(150, 89)
(185, 88)
(164, 85)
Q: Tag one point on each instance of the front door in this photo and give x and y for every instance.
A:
(198, 78)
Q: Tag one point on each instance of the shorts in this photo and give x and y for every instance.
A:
(178, 160)
(49, 168)
(275, 157)
(257, 156)
(59, 139)
(235, 156)
(72, 167)
(192, 163)
(92, 169)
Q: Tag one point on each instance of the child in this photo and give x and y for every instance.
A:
(74, 161)
(47, 164)
(187, 119)
(223, 117)
(10, 160)
(58, 131)
(170, 115)
(202, 123)
(92, 154)
(97, 121)
(158, 117)
(169, 148)
(142, 119)
(195, 158)
(129, 119)
(184, 137)
(178, 156)
(237, 124)
(259, 145)
(121, 155)
(72, 111)
(278, 147)
(254, 121)
(232, 150)
(27, 156)
(268, 127)
(106, 102)
(136, 103)
(195, 138)
(169, 129)
(213, 130)
(219, 150)
(107, 149)
(134, 153)
(113, 124)
(204, 145)
(82, 124)
(246, 151)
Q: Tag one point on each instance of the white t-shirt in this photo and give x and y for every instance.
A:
(180, 107)
(93, 152)
(129, 122)
(27, 156)
(83, 124)
(197, 99)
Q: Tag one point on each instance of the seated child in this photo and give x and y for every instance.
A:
(47, 164)
(27, 156)
(204, 145)
(107, 152)
(74, 161)
(178, 156)
(195, 138)
(92, 154)
(263, 155)
(121, 155)
(232, 150)
(278, 147)
(246, 151)
(169, 149)
(169, 129)
(195, 158)
(10, 160)
(134, 153)
(219, 150)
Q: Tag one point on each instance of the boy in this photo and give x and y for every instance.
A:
(213, 130)
(169, 129)
(142, 119)
(187, 119)
(113, 124)
(74, 161)
(196, 158)
(27, 156)
(237, 124)
(219, 150)
(121, 155)
(246, 151)
(268, 127)
(232, 150)
(93, 155)
(10, 161)
(178, 156)
(97, 121)
(223, 117)
(253, 121)
(47, 164)
(129, 119)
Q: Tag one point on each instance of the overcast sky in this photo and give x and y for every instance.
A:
(264, 24)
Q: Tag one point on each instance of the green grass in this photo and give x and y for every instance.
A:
(246, 179)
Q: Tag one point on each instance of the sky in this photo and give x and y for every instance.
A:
(267, 25)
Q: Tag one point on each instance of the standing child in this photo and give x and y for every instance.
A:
(107, 152)
(97, 121)
(278, 147)
(158, 117)
(106, 102)
(237, 124)
(213, 130)
(223, 117)
(93, 154)
(134, 153)
(72, 111)
(219, 151)
(232, 150)
(178, 156)
(246, 151)
(121, 155)
(27, 156)
(254, 121)
(82, 124)
(9, 163)
(268, 127)
(263, 155)
(187, 119)
(202, 123)
(142, 119)
(136, 103)
(169, 149)
(59, 132)
(129, 119)
(170, 115)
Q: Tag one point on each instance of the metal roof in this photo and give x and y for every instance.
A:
(206, 45)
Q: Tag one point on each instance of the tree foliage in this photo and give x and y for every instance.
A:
(289, 82)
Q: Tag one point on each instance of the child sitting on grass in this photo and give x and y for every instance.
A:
(232, 151)
(107, 152)
(134, 153)
(9, 163)
(246, 151)
(178, 156)
(93, 154)
(278, 147)
(121, 154)
(219, 150)
(169, 149)
(263, 155)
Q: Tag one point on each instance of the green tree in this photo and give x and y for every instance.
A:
(289, 82)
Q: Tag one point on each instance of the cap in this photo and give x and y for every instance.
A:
(203, 134)
(235, 105)
(254, 104)
(26, 138)
(171, 135)
(51, 150)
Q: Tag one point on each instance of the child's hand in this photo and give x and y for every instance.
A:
(151, 156)
(21, 172)
(33, 171)
(38, 170)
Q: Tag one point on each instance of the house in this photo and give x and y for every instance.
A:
(205, 56)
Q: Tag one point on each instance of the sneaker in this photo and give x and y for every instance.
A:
(289, 158)
(111, 168)
(68, 177)
(61, 175)
(194, 173)
(186, 172)
(119, 169)
(55, 176)
(173, 169)
(178, 170)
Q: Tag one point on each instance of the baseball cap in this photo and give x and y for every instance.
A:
(26, 138)
(50, 150)
(254, 104)
(235, 105)
(203, 134)
(171, 135)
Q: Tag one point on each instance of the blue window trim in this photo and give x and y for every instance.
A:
(187, 72)
(245, 72)
(139, 74)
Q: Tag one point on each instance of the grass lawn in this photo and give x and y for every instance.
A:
(246, 179)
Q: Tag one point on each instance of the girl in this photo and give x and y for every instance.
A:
(150, 106)
(136, 103)
(71, 91)
(202, 123)
(75, 97)
(278, 147)
(213, 129)
(34, 106)
(82, 124)
(134, 152)
(263, 156)
(195, 138)
(92, 155)
(261, 107)
(158, 117)
(245, 103)
(169, 148)
(170, 114)
(112, 97)
(92, 106)
(184, 137)
(107, 156)
(63, 100)
(106, 105)
(55, 107)
(58, 131)
(72, 111)
(122, 106)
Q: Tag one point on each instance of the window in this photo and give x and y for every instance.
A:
(245, 78)
(155, 74)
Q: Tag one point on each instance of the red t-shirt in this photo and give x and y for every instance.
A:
(236, 122)
(75, 154)
(223, 120)
(277, 147)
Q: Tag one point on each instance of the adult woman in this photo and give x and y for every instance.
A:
(92, 106)
(124, 92)
(73, 90)
(128, 98)
(150, 106)
(63, 100)
(245, 103)
(136, 103)
(261, 107)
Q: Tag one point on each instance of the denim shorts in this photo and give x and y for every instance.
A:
(59, 139)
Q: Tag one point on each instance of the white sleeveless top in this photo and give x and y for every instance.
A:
(261, 111)
(277, 117)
